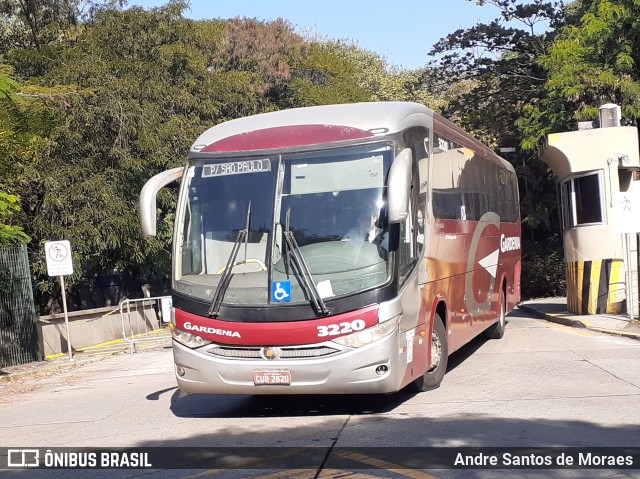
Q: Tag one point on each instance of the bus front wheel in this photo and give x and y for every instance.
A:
(439, 357)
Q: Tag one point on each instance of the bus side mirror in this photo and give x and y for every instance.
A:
(399, 186)
(148, 198)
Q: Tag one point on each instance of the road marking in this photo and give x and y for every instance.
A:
(564, 327)
(210, 472)
(247, 463)
(326, 473)
(389, 466)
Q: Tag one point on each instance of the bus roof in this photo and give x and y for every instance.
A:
(329, 123)
(354, 120)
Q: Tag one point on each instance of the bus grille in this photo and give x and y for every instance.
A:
(285, 352)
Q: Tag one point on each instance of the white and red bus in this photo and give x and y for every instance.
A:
(272, 291)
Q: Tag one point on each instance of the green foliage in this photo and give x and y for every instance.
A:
(371, 73)
(497, 63)
(595, 60)
(35, 24)
(543, 269)
(22, 122)
(143, 93)
(325, 77)
(8, 86)
(9, 204)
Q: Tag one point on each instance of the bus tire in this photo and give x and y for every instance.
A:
(496, 330)
(432, 378)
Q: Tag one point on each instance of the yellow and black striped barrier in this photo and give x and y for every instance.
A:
(596, 287)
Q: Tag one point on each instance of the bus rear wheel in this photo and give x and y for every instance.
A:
(439, 355)
(496, 330)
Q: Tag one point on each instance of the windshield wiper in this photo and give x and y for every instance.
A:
(306, 280)
(225, 279)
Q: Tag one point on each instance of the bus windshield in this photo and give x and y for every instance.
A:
(329, 202)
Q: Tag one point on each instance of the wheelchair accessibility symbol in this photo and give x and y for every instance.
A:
(281, 292)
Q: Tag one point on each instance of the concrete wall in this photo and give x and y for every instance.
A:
(95, 326)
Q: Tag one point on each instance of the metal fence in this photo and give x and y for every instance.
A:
(145, 319)
(19, 342)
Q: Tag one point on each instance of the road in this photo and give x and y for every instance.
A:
(541, 385)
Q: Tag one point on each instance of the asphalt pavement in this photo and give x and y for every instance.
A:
(550, 309)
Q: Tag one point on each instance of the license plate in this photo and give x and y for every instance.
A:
(281, 377)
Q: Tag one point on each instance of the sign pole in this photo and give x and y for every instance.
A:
(625, 220)
(66, 316)
(627, 243)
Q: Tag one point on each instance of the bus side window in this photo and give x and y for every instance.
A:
(192, 261)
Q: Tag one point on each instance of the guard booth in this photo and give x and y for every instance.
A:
(597, 170)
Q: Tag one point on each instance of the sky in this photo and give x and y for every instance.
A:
(402, 31)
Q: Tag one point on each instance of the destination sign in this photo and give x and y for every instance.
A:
(236, 168)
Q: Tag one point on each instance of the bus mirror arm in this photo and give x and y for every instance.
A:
(148, 198)
(399, 186)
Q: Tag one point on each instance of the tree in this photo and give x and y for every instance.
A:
(594, 61)
(497, 63)
(22, 122)
(372, 73)
(337, 71)
(33, 24)
(269, 51)
(140, 87)
(135, 114)
(325, 77)
(10, 234)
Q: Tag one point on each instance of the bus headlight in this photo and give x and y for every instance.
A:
(370, 335)
(189, 340)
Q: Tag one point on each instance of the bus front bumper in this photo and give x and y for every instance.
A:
(377, 368)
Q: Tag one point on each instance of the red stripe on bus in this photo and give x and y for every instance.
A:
(310, 331)
(285, 137)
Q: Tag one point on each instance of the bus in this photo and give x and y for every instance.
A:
(337, 249)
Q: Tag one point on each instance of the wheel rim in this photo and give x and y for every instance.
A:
(436, 350)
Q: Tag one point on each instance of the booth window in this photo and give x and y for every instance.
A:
(582, 200)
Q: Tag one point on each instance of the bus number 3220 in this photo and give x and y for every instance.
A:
(341, 328)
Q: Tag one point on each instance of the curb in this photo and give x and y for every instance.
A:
(576, 323)
(554, 318)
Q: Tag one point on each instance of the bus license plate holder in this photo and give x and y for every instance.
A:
(279, 377)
